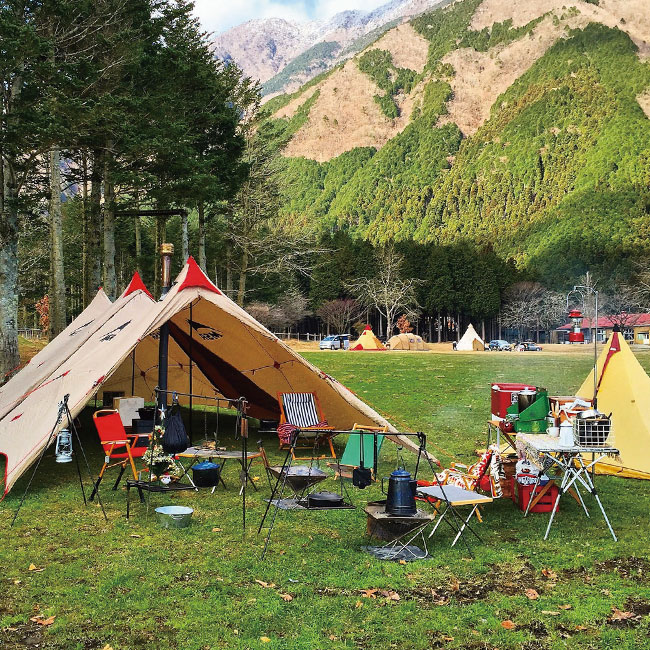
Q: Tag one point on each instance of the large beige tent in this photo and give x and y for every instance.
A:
(367, 341)
(51, 356)
(406, 342)
(229, 353)
(470, 341)
(623, 391)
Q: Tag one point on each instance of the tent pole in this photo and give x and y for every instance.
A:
(133, 373)
(166, 252)
(191, 368)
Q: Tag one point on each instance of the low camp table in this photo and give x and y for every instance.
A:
(196, 454)
(150, 486)
(545, 452)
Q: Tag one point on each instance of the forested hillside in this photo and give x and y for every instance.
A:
(556, 179)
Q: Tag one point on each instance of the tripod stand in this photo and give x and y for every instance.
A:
(64, 411)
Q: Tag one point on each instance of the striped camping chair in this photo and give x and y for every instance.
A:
(302, 411)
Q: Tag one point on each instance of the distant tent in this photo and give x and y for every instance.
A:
(623, 391)
(367, 341)
(406, 342)
(224, 349)
(470, 341)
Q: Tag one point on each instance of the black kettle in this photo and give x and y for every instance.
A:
(401, 493)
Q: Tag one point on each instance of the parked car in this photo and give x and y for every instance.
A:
(335, 342)
(500, 345)
(528, 346)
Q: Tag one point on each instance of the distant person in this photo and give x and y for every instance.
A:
(453, 346)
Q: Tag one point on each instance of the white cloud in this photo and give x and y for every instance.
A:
(219, 15)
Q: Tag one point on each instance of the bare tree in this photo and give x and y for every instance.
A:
(340, 313)
(387, 291)
(531, 307)
(290, 309)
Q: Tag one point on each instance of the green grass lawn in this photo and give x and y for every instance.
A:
(133, 585)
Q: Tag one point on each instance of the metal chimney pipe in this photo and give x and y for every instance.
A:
(166, 252)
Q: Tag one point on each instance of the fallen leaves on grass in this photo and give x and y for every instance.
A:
(565, 606)
(107, 647)
(42, 620)
(508, 624)
(454, 585)
(358, 604)
(217, 530)
(369, 593)
(266, 585)
(33, 567)
(549, 574)
(391, 595)
(532, 594)
(618, 615)
(135, 536)
(550, 612)
(264, 639)
(287, 597)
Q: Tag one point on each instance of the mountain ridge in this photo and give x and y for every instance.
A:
(263, 48)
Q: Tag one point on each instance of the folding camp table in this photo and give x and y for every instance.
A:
(197, 453)
(545, 452)
(453, 497)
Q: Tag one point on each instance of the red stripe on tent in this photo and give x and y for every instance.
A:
(16, 417)
(196, 278)
(615, 346)
(135, 285)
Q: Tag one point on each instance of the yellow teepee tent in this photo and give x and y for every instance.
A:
(367, 341)
(623, 391)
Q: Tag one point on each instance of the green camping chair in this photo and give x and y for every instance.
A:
(351, 458)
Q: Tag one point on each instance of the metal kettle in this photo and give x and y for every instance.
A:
(401, 493)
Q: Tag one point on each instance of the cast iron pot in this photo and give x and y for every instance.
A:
(206, 474)
(324, 500)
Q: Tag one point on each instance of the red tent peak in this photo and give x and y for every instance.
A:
(367, 328)
(197, 278)
(135, 284)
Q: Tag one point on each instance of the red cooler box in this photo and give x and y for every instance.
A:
(503, 395)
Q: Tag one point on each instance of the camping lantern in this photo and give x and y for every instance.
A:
(64, 446)
(576, 335)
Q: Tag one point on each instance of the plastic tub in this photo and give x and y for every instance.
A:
(174, 516)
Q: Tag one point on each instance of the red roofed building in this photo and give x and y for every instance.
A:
(635, 327)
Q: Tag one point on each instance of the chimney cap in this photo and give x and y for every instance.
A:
(166, 249)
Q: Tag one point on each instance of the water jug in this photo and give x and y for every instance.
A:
(401, 493)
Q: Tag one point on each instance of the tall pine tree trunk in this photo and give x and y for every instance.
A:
(185, 240)
(57, 278)
(202, 260)
(138, 244)
(9, 358)
(440, 317)
(160, 240)
(241, 293)
(110, 282)
(229, 279)
(85, 298)
(94, 276)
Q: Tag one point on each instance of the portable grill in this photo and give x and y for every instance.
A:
(300, 477)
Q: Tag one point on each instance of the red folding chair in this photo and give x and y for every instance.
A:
(120, 448)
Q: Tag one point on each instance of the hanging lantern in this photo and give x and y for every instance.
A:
(64, 446)
(576, 335)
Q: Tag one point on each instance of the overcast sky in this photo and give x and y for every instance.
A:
(219, 15)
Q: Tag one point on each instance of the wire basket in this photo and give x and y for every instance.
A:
(592, 432)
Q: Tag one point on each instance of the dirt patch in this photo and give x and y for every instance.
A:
(288, 111)
(408, 48)
(482, 76)
(345, 116)
(631, 16)
(644, 102)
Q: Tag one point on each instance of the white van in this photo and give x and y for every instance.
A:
(335, 342)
